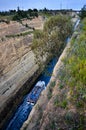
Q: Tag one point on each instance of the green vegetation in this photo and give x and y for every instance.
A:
(50, 89)
(25, 14)
(63, 104)
(75, 121)
(56, 100)
(61, 86)
(52, 125)
(20, 34)
(60, 101)
(75, 67)
(51, 40)
(73, 77)
(1, 69)
(46, 13)
(18, 15)
(83, 12)
(69, 117)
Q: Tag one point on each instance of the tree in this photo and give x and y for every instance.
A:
(83, 12)
(45, 10)
(50, 41)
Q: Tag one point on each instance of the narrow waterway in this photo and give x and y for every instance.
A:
(24, 109)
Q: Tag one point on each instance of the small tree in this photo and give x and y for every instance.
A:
(83, 12)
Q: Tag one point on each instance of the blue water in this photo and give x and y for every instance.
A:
(76, 24)
(24, 109)
(46, 75)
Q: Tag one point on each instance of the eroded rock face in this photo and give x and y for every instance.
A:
(12, 28)
(17, 65)
(36, 23)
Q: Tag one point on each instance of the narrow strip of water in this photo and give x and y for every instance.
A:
(24, 108)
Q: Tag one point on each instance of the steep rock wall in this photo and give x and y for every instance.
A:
(18, 69)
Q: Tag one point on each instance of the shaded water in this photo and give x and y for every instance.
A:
(24, 109)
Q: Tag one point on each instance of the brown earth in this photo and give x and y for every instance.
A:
(36, 23)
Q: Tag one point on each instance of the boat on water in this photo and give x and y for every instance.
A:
(35, 93)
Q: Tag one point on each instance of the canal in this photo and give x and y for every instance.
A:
(24, 109)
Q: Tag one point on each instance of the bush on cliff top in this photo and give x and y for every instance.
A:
(50, 41)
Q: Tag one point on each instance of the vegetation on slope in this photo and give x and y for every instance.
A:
(83, 12)
(49, 42)
(73, 77)
(20, 34)
(18, 15)
(71, 97)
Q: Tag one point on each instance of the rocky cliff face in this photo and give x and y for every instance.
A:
(17, 64)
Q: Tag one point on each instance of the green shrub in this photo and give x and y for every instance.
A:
(75, 121)
(51, 40)
(50, 89)
(52, 125)
(61, 86)
(20, 34)
(8, 21)
(56, 100)
(63, 104)
(69, 117)
(83, 12)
